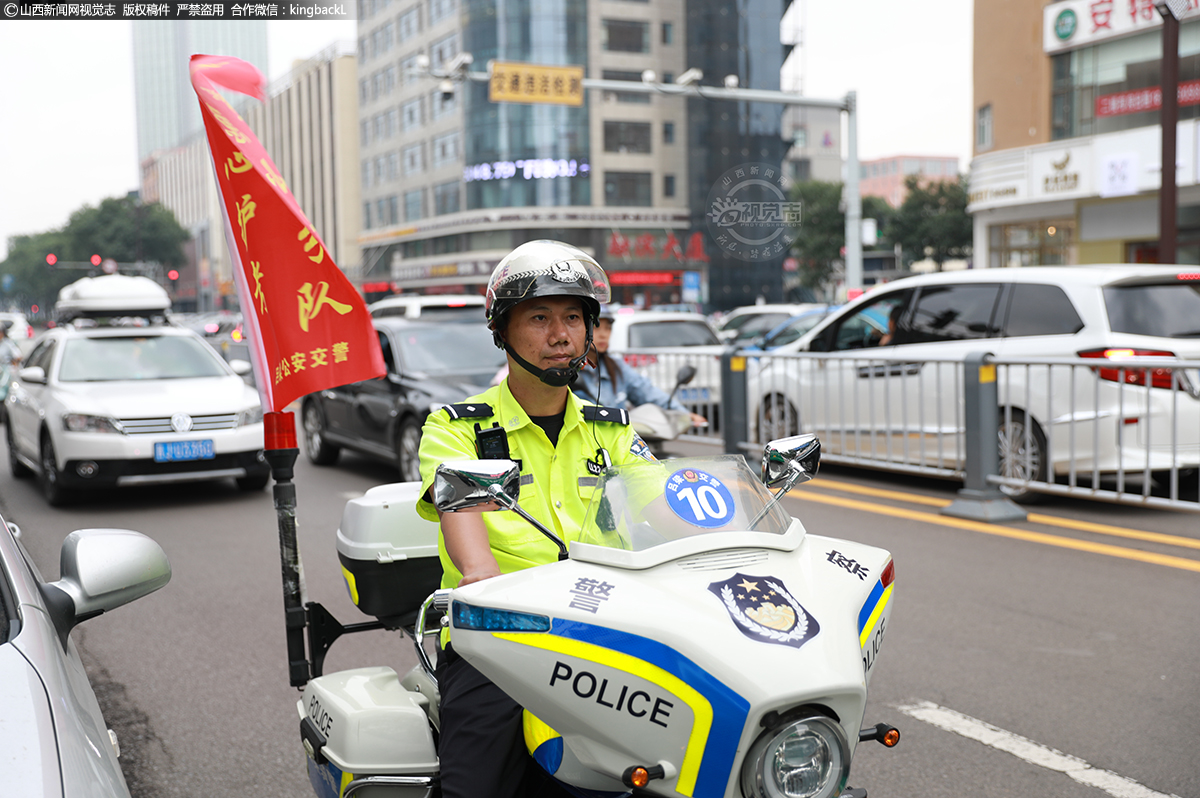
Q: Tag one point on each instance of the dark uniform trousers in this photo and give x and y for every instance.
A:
(482, 752)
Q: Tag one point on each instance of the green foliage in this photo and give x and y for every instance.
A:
(822, 232)
(933, 222)
(119, 228)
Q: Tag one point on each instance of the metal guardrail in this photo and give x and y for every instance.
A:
(1125, 431)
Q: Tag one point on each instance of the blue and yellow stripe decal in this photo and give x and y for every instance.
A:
(872, 610)
(719, 713)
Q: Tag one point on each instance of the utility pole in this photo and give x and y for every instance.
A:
(1170, 10)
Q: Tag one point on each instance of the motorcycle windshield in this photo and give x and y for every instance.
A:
(642, 505)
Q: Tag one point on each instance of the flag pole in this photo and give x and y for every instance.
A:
(281, 451)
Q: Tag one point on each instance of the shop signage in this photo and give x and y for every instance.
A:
(1076, 23)
(999, 193)
(511, 82)
(1065, 172)
(530, 169)
(650, 247)
(464, 269)
(644, 277)
(1137, 101)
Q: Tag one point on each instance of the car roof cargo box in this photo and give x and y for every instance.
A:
(389, 554)
(112, 295)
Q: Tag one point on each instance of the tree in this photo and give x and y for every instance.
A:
(119, 228)
(933, 222)
(821, 236)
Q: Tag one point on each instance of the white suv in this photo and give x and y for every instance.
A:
(1082, 418)
(112, 400)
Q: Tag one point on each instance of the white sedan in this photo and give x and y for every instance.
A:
(102, 406)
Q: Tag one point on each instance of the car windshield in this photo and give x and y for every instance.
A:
(641, 505)
(670, 332)
(448, 349)
(1168, 311)
(755, 326)
(152, 357)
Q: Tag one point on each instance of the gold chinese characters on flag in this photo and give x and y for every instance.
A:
(308, 327)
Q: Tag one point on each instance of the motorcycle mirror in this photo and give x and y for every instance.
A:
(463, 484)
(685, 375)
(789, 461)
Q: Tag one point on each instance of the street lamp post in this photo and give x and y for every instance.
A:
(1170, 10)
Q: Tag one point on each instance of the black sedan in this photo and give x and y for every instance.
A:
(429, 364)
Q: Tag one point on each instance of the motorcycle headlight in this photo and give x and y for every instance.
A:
(806, 758)
(253, 415)
(81, 422)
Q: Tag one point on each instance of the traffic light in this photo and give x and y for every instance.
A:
(96, 260)
(173, 275)
(51, 259)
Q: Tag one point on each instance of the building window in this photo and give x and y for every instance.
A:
(362, 90)
(627, 137)
(668, 185)
(668, 132)
(414, 159)
(439, 10)
(413, 205)
(364, 133)
(445, 150)
(393, 165)
(442, 104)
(1045, 243)
(668, 33)
(443, 50)
(366, 174)
(410, 24)
(393, 209)
(625, 36)
(627, 188)
(983, 128)
(366, 220)
(408, 69)
(411, 112)
(624, 96)
(445, 198)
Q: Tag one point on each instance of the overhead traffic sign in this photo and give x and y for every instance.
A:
(513, 82)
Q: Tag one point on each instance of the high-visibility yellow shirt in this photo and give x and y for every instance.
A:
(556, 481)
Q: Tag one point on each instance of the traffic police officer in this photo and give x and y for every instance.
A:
(541, 305)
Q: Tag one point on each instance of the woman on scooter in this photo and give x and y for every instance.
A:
(611, 382)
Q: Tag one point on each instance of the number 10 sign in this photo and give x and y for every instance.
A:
(699, 498)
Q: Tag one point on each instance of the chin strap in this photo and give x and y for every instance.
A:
(558, 378)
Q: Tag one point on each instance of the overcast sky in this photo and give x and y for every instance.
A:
(68, 135)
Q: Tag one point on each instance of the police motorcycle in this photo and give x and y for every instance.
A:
(695, 641)
(658, 425)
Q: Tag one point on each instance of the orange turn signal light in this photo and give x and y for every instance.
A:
(639, 777)
(891, 737)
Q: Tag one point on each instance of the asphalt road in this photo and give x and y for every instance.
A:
(1035, 636)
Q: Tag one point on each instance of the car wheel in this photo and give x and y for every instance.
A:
(18, 468)
(777, 419)
(1021, 458)
(50, 479)
(408, 444)
(252, 482)
(319, 450)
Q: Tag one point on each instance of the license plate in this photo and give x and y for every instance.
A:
(693, 394)
(176, 451)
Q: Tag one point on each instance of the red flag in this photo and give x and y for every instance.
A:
(309, 328)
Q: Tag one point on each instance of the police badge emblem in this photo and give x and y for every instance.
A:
(567, 271)
(763, 609)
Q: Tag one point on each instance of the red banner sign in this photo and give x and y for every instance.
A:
(644, 278)
(1137, 101)
(309, 328)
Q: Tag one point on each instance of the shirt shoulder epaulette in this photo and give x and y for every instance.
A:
(614, 415)
(469, 410)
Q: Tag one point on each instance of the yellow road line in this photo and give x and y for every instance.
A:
(1182, 563)
(1035, 518)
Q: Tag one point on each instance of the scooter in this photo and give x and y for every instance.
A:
(695, 640)
(658, 425)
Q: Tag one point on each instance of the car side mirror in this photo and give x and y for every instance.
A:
(101, 570)
(789, 461)
(240, 367)
(465, 484)
(34, 375)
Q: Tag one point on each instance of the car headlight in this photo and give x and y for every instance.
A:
(81, 422)
(806, 758)
(251, 415)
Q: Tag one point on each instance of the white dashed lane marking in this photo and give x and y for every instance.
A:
(1028, 750)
